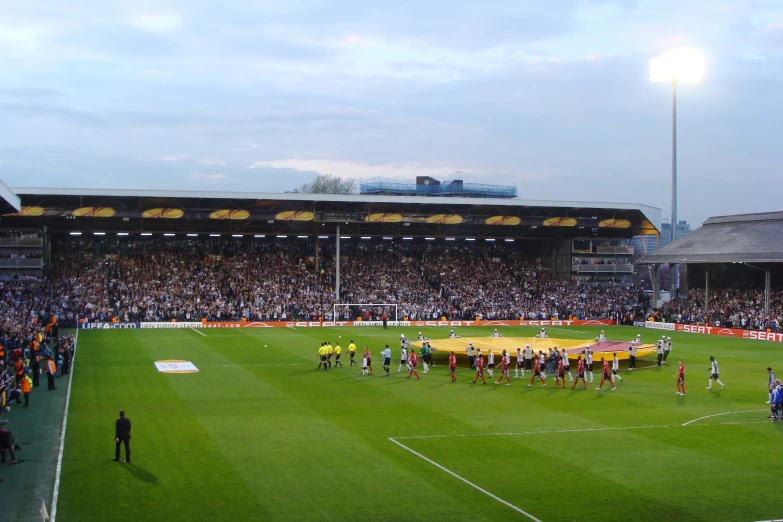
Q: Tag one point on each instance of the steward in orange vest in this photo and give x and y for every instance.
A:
(19, 371)
(27, 386)
(51, 371)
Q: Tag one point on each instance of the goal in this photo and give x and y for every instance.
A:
(355, 309)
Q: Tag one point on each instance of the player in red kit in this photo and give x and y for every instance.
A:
(369, 359)
(537, 373)
(560, 374)
(479, 362)
(504, 369)
(681, 379)
(580, 373)
(413, 360)
(452, 366)
(606, 375)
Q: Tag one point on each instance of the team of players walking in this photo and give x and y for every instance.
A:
(540, 366)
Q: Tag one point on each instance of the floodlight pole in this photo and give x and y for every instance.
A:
(675, 273)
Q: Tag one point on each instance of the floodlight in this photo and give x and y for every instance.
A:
(682, 65)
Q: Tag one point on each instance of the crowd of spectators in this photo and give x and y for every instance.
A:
(225, 279)
(29, 350)
(228, 279)
(730, 308)
(12, 237)
(20, 254)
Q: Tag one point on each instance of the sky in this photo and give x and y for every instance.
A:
(552, 97)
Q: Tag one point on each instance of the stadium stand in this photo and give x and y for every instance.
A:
(730, 308)
(223, 279)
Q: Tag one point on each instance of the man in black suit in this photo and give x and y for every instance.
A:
(122, 434)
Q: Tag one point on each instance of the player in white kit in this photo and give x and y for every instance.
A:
(589, 361)
(714, 374)
(403, 359)
(616, 368)
(520, 367)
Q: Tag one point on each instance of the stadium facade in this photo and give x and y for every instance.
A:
(577, 239)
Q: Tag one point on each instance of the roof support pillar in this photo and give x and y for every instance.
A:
(317, 264)
(656, 284)
(706, 290)
(767, 290)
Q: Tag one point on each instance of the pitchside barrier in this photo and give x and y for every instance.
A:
(672, 327)
(325, 324)
(715, 330)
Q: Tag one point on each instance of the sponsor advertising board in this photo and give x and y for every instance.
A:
(328, 324)
(689, 328)
(732, 332)
(108, 326)
(590, 322)
(659, 326)
(171, 325)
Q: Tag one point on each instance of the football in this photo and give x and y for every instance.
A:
(264, 346)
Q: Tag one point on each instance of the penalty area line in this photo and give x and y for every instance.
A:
(585, 430)
(200, 333)
(540, 432)
(719, 414)
(466, 481)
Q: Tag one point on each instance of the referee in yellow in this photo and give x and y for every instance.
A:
(329, 353)
(337, 352)
(352, 352)
(322, 357)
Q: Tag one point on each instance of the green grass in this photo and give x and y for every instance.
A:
(257, 434)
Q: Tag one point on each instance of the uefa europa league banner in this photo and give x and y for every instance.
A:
(303, 216)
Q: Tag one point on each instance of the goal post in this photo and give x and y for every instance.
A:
(364, 306)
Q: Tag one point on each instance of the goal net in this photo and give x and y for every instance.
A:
(367, 311)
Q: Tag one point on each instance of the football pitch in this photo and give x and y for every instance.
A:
(259, 434)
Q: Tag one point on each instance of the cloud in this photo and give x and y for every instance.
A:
(552, 97)
(24, 38)
(157, 22)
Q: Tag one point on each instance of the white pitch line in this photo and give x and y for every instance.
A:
(466, 481)
(719, 414)
(58, 472)
(507, 434)
(578, 430)
(198, 332)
